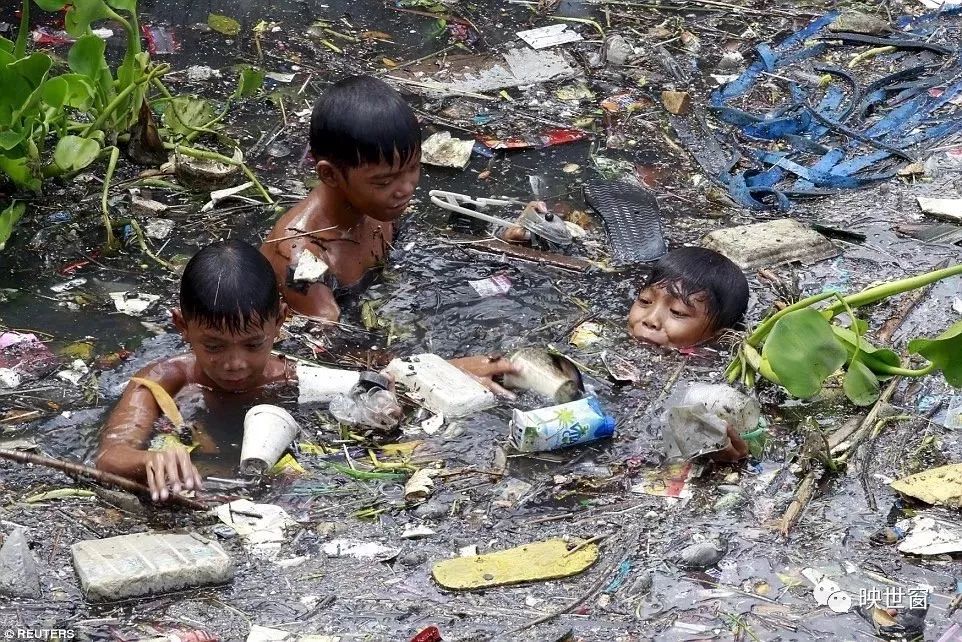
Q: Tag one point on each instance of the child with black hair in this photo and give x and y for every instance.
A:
(230, 315)
(691, 296)
(366, 143)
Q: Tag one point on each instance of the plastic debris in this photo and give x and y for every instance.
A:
(539, 561)
(552, 376)
(417, 532)
(160, 40)
(697, 417)
(443, 150)
(309, 268)
(260, 526)
(317, 385)
(370, 403)
(632, 218)
(702, 554)
(947, 209)
(358, 550)
(66, 286)
(953, 416)
(543, 37)
(560, 426)
(430, 634)
(927, 535)
(586, 334)
(670, 481)
(159, 228)
(133, 303)
(770, 243)
(492, 286)
(440, 386)
(617, 50)
(940, 486)
(266, 634)
(18, 569)
(143, 563)
(23, 357)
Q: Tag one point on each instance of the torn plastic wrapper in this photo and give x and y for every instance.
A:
(697, 417)
(160, 40)
(547, 138)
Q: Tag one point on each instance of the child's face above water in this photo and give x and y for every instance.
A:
(232, 361)
(665, 320)
(382, 190)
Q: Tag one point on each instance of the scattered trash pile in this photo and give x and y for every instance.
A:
(845, 120)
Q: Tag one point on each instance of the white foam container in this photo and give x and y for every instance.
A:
(148, 563)
(317, 384)
(440, 386)
(268, 430)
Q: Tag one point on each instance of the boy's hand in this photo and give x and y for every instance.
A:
(485, 368)
(170, 470)
(736, 450)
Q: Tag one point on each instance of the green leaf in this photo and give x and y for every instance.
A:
(184, 114)
(82, 14)
(50, 5)
(8, 219)
(33, 68)
(223, 24)
(249, 82)
(54, 92)
(868, 354)
(75, 152)
(6, 45)
(86, 57)
(945, 351)
(80, 93)
(18, 169)
(860, 384)
(10, 138)
(126, 5)
(803, 352)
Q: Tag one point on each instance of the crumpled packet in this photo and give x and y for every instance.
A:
(697, 416)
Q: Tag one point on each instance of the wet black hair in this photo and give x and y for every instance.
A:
(689, 271)
(229, 285)
(362, 120)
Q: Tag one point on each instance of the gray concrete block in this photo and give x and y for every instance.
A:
(146, 563)
(770, 243)
(18, 569)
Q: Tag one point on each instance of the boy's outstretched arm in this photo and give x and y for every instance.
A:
(129, 428)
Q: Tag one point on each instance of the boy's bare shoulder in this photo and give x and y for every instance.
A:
(172, 373)
(305, 216)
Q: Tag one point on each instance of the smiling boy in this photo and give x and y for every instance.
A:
(366, 143)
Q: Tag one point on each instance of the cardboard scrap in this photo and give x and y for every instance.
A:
(940, 486)
(542, 37)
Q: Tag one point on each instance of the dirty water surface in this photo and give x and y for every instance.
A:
(618, 493)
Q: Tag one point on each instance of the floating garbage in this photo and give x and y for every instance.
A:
(18, 568)
(576, 422)
(535, 562)
(268, 431)
(947, 209)
(632, 218)
(697, 417)
(133, 303)
(369, 403)
(770, 243)
(440, 386)
(550, 36)
(927, 535)
(443, 150)
(552, 376)
(940, 486)
(319, 385)
(148, 563)
(496, 285)
(260, 526)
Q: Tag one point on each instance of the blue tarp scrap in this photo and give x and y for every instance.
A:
(831, 145)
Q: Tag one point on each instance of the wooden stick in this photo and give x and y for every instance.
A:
(524, 253)
(99, 476)
(300, 234)
(802, 496)
(898, 318)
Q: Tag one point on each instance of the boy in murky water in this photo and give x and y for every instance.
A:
(692, 295)
(230, 315)
(366, 143)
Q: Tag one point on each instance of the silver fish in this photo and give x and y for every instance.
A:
(551, 376)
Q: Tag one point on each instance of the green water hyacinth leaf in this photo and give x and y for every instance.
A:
(184, 114)
(19, 171)
(50, 5)
(803, 352)
(867, 353)
(945, 351)
(82, 14)
(223, 24)
(249, 82)
(860, 385)
(75, 152)
(8, 219)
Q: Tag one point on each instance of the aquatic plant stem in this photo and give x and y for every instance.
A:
(157, 71)
(146, 250)
(111, 167)
(193, 152)
(886, 290)
(20, 48)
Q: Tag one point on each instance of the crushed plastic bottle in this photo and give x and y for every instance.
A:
(369, 403)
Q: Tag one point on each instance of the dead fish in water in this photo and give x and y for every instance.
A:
(549, 375)
(703, 554)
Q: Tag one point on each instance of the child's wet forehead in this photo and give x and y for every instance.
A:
(219, 333)
(663, 290)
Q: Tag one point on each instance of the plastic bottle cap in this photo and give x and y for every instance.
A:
(607, 427)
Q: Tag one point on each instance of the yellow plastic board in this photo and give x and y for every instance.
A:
(940, 486)
(538, 561)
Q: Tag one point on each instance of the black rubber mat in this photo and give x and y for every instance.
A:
(632, 219)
